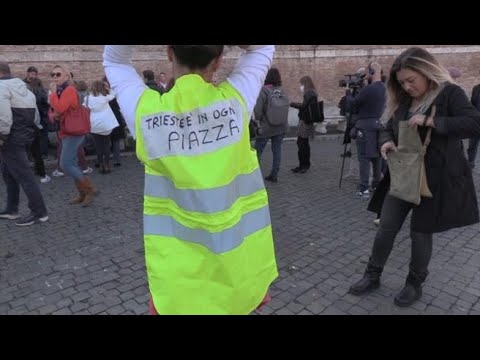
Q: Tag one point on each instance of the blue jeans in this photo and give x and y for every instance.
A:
(68, 157)
(277, 140)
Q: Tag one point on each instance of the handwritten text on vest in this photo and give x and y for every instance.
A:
(199, 131)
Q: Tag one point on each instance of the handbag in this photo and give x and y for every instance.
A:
(407, 165)
(76, 122)
(314, 112)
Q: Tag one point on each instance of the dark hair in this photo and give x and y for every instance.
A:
(35, 86)
(307, 82)
(273, 78)
(98, 88)
(148, 75)
(196, 57)
(32, 69)
(81, 85)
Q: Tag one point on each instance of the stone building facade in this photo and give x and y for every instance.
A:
(326, 64)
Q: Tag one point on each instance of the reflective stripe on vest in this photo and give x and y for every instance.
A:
(208, 200)
(217, 243)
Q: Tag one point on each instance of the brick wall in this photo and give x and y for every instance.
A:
(326, 64)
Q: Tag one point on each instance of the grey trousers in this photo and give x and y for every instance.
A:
(17, 173)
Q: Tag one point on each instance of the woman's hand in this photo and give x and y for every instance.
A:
(386, 148)
(53, 88)
(417, 120)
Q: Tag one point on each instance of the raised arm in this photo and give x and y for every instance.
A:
(125, 82)
(68, 99)
(249, 74)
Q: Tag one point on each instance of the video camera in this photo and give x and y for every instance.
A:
(354, 81)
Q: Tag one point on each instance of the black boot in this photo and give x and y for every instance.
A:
(369, 282)
(412, 290)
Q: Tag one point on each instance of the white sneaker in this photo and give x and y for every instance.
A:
(87, 171)
(362, 194)
(45, 179)
(58, 173)
(9, 216)
(376, 222)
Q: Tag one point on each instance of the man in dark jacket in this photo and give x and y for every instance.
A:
(18, 118)
(163, 83)
(368, 106)
(473, 143)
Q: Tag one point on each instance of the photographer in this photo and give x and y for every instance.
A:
(368, 107)
(353, 84)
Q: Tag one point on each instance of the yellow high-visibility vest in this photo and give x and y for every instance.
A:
(208, 236)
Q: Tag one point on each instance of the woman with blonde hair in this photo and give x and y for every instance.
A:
(64, 98)
(420, 91)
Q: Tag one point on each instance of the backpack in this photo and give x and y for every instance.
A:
(277, 107)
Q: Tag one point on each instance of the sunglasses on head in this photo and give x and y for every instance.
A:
(57, 74)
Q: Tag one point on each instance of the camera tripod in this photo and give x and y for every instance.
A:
(347, 139)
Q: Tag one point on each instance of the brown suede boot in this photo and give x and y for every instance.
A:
(90, 191)
(81, 195)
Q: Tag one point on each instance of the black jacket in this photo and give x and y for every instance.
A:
(309, 97)
(454, 202)
(119, 132)
(476, 97)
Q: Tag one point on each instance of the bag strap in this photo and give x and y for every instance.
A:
(265, 104)
(429, 133)
(270, 93)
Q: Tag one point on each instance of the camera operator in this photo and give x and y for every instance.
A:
(368, 106)
(352, 85)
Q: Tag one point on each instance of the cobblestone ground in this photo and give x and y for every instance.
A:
(91, 261)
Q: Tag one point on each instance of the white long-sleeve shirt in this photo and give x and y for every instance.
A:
(247, 77)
